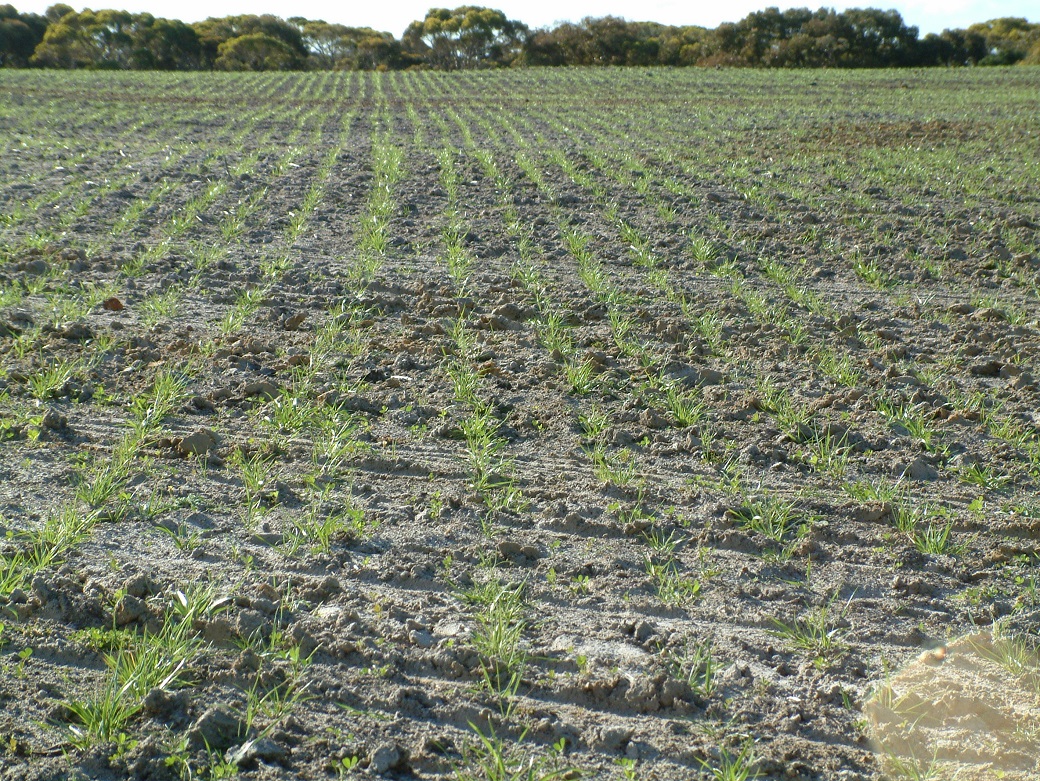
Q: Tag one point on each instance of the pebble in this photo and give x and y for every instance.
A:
(918, 469)
(129, 609)
(249, 752)
(264, 388)
(384, 759)
(218, 729)
(202, 441)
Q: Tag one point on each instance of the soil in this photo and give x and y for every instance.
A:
(839, 271)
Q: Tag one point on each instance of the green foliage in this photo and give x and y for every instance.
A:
(480, 37)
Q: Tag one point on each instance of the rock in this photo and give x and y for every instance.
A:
(510, 549)
(160, 703)
(129, 609)
(199, 443)
(251, 751)
(384, 759)
(264, 388)
(54, 420)
(218, 729)
(919, 469)
(611, 739)
(112, 304)
(139, 586)
(986, 368)
(77, 331)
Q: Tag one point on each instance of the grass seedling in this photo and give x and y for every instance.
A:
(687, 410)
(581, 377)
(695, 665)
(817, 632)
(733, 767)
(830, 454)
(768, 516)
(493, 759)
(982, 476)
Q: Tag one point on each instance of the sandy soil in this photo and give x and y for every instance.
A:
(620, 424)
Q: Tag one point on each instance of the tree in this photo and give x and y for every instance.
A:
(213, 33)
(87, 40)
(166, 44)
(117, 39)
(20, 34)
(55, 12)
(1008, 40)
(347, 48)
(255, 52)
(468, 36)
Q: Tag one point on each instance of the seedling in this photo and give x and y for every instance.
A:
(817, 632)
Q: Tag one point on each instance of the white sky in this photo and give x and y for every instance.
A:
(395, 15)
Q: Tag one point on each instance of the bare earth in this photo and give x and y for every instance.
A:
(520, 425)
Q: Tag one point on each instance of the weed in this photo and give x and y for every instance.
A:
(581, 377)
(491, 758)
(768, 516)
(697, 666)
(733, 767)
(818, 632)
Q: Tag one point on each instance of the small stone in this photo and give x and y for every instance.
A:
(612, 739)
(202, 441)
(54, 420)
(510, 549)
(218, 728)
(919, 469)
(76, 332)
(129, 609)
(265, 389)
(248, 753)
(384, 758)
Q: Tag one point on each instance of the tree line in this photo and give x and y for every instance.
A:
(478, 37)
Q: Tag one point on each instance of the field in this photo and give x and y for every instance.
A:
(619, 424)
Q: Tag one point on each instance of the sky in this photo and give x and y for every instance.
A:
(395, 15)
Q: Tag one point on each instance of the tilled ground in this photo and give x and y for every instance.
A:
(616, 424)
